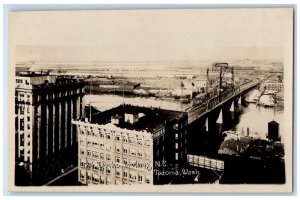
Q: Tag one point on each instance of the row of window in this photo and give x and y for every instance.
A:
(107, 157)
(126, 151)
(95, 178)
(21, 81)
(21, 97)
(105, 167)
(22, 125)
(102, 133)
(177, 135)
(22, 109)
(181, 154)
(97, 145)
(178, 126)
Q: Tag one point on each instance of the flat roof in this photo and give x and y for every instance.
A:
(154, 118)
(31, 73)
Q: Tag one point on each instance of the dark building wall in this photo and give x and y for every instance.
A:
(170, 150)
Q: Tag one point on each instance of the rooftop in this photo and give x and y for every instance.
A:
(32, 73)
(151, 120)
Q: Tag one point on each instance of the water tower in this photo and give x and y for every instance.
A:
(273, 130)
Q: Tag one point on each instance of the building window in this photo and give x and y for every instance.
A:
(95, 145)
(140, 178)
(131, 140)
(117, 160)
(82, 142)
(175, 126)
(108, 136)
(28, 126)
(140, 153)
(95, 178)
(139, 141)
(176, 136)
(147, 143)
(102, 156)
(125, 139)
(108, 170)
(88, 133)
(108, 157)
(89, 177)
(28, 98)
(133, 152)
(101, 169)
(89, 153)
(125, 161)
(108, 147)
(22, 124)
(125, 174)
(176, 156)
(147, 180)
(28, 118)
(82, 164)
(117, 172)
(21, 110)
(82, 174)
(89, 143)
(132, 176)
(95, 166)
(89, 165)
(101, 146)
(117, 149)
(101, 135)
(125, 150)
(147, 155)
(95, 154)
(176, 145)
(118, 138)
(82, 152)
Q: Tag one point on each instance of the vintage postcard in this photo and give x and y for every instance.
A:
(165, 100)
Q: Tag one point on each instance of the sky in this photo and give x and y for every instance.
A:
(150, 35)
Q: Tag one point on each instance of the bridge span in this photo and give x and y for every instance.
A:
(215, 102)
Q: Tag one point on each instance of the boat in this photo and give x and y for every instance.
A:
(266, 100)
(253, 97)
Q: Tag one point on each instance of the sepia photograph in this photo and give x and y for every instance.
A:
(164, 100)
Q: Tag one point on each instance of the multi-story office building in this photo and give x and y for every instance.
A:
(131, 145)
(46, 142)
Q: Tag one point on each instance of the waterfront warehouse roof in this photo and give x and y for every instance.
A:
(32, 73)
(150, 120)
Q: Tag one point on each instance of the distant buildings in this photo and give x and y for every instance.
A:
(46, 142)
(131, 145)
